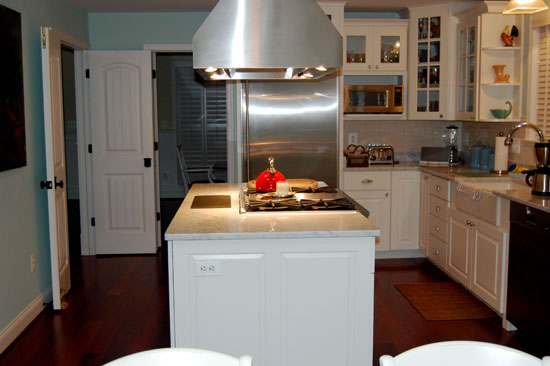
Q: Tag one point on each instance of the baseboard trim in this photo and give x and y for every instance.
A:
(23, 319)
(394, 254)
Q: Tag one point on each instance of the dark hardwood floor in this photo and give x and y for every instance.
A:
(119, 305)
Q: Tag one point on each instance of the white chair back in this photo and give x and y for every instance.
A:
(180, 357)
(463, 353)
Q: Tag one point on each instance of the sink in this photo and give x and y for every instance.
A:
(492, 186)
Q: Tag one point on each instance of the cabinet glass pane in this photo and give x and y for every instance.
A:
(423, 28)
(422, 77)
(355, 49)
(461, 92)
(434, 76)
(390, 47)
(434, 51)
(471, 40)
(471, 68)
(462, 39)
(423, 52)
(434, 101)
(421, 101)
(470, 102)
(462, 71)
(435, 27)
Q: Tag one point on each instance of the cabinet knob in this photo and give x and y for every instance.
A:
(440, 116)
(387, 194)
(437, 229)
(367, 180)
(370, 67)
(436, 252)
(438, 188)
(426, 177)
(471, 117)
(438, 209)
(376, 67)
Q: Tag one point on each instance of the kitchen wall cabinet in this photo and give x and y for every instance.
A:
(476, 256)
(479, 48)
(335, 12)
(431, 63)
(391, 197)
(372, 46)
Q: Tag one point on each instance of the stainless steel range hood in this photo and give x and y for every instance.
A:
(267, 39)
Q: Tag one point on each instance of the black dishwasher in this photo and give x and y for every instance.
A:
(528, 304)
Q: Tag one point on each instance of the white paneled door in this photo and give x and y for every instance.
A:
(56, 182)
(123, 157)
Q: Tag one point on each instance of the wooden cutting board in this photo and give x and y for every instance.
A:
(301, 183)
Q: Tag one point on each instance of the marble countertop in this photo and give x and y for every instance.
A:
(522, 196)
(227, 223)
(461, 174)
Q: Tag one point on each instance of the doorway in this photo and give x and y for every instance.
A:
(191, 114)
(71, 157)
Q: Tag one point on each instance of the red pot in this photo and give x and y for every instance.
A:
(267, 180)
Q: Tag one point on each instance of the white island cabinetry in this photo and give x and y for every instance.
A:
(287, 289)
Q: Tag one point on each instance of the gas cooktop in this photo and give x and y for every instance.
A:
(324, 199)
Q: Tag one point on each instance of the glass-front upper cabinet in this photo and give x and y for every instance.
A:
(375, 45)
(429, 71)
(466, 76)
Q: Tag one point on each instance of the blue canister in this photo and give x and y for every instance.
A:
(484, 162)
(475, 156)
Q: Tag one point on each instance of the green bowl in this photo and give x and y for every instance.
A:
(499, 113)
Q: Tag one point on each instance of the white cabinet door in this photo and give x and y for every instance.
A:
(424, 212)
(122, 138)
(459, 249)
(405, 210)
(294, 302)
(489, 255)
(430, 67)
(378, 203)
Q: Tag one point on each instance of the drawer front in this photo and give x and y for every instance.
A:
(437, 251)
(371, 181)
(439, 187)
(438, 228)
(439, 207)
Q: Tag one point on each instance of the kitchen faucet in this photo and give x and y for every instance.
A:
(509, 140)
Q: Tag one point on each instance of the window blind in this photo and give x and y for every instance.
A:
(202, 118)
(543, 86)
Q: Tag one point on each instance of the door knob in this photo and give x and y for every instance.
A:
(58, 184)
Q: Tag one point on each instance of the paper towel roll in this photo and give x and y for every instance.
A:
(501, 154)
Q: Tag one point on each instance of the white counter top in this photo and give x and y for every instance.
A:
(227, 223)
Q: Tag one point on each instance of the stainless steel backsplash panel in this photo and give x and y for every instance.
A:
(297, 123)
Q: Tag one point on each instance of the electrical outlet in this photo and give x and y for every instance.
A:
(352, 138)
(33, 262)
(207, 268)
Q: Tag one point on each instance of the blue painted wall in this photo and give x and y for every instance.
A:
(130, 31)
(23, 206)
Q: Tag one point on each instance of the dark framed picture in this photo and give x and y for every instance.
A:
(12, 107)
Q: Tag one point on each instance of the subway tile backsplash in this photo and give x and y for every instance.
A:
(407, 137)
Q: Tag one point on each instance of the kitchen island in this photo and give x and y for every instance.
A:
(286, 288)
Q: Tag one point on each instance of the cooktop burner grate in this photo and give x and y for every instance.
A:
(292, 204)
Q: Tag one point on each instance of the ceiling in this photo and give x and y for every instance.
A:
(207, 5)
